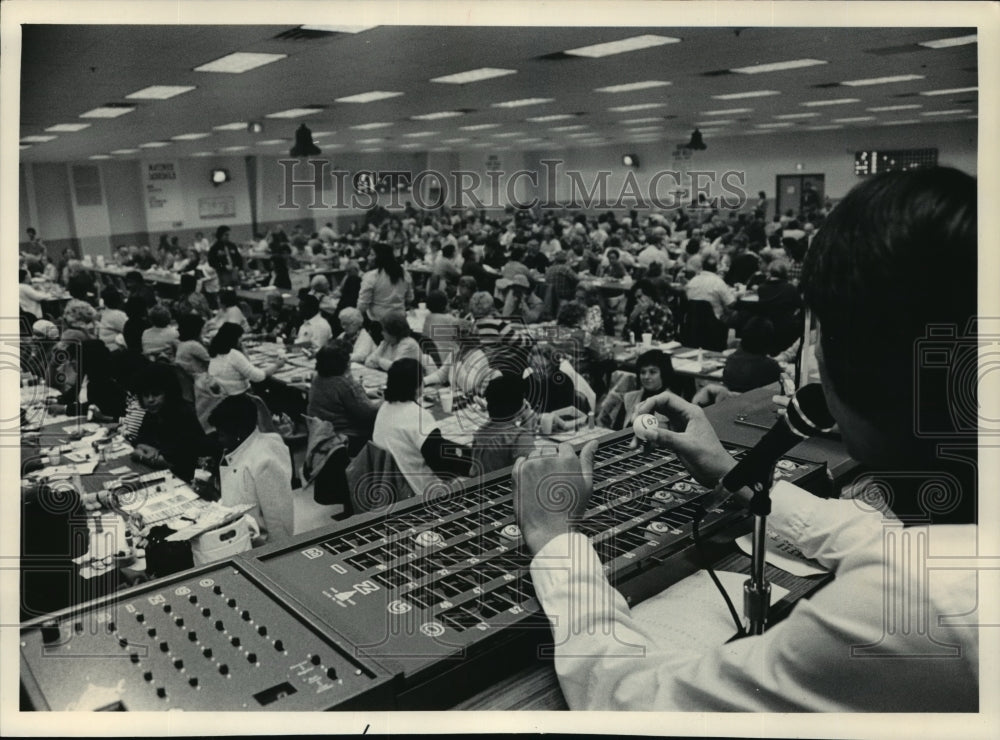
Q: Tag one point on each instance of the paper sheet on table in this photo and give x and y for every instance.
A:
(693, 612)
(84, 468)
(784, 558)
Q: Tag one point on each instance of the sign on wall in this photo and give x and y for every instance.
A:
(162, 192)
(224, 207)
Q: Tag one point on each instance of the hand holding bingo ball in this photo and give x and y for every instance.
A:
(645, 426)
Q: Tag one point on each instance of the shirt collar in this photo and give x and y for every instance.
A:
(243, 451)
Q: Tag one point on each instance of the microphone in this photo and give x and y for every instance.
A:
(806, 416)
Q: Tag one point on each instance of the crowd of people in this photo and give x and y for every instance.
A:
(164, 366)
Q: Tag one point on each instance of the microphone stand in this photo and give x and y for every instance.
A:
(757, 589)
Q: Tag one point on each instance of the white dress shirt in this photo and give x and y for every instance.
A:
(894, 632)
(708, 286)
(259, 472)
(316, 331)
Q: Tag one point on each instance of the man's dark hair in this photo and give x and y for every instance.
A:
(448, 250)
(189, 283)
(159, 316)
(133, 276)
(505, 396)
(158, 377)
(896, 256)
(235, 414)
(437, 301)
(189, 326)
(111, 297)
(402, 380)
(757, 336)
(709, 264)
(308, 305)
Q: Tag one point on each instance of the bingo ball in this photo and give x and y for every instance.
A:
(645, 426)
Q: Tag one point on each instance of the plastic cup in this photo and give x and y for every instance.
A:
(422, 306)
(647, 339)
(447, 398)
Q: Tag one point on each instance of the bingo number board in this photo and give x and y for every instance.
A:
(893, 160)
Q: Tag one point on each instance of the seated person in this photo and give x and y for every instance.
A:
(466, 368)
(78, 322)
(519, 301)
(614, 268)
(396, 344)
(509, 432)
(505, 342)
(256, 468)
(440, 331)
(411, 435)
(136, 287)
(466, 287)
(138, 321)
(646, 316)
(159, 341)
(335, 396)
(315, 330)
(319, 286)
(92, 385)
(170, 434)
(354, 335)
(230, 367)
(191, 353)
(111, 327)
(749, 366)
(190, 300)
(276, 323)
(656, 374)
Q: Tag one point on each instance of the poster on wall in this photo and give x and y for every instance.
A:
(162, 192)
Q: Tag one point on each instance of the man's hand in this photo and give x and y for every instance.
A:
(551, 493)
(712, 393)
(690, 437)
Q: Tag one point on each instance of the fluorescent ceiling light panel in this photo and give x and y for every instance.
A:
(368, 141)
(235, 126)
(899, 123)
(792, 116)
(632, 86)
(317, 134)
(99, 156)
(203, 154)
(823, 128)
(367, 126)
(439, 114)
(716, 122)
(189, 137)
(581, 134)
(881, 80)
(160, 92)
(239, 62)
(411, 145)
(553, 117)
(728, 112)
(856, 119)
(951, 91)
(642, 128)
(774, 125)
(454, 141)
(509, 134)
(777, 66)
(338, 29)
(522, 102)
(294, 113)
(750, 94)
(37, 139)
(954, 111)
(632, 121)
(887, 108)
(954, 41)
(68, 127)
(479, 126)
(25, 146)
(634, 43)
(574, 127)
(419, 134)
(154, 144)
(125, 151)
(368, 97)
(271, 142)
(108, 111)
(835, 101)
(637, 106)
(474, 75)
(232, 149)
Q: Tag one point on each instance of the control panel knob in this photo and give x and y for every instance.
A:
(217, 590)
(231, 602)
(193, 598)
(193, 681)
(147, 676)
(206, 612)
(164, 647)
(331, 673)
(207, 652)
(78, 627)
(140, 617)
(151, 632)
(161, 692)
(279, 645)
(134, 657)
(224, 669)
(245, 615)
(192, 635)
(167, 608)
(315, 659)
(262, 630)
(179, 621)
(219, 625)
(252, 657)
(235, 641)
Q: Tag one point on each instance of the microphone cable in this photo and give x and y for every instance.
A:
(707, 565)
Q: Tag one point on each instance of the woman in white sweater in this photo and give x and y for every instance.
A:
(230, 367)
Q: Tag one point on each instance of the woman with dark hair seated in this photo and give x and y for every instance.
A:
(335, 396)
(397, 343)
(137, 311)
(191, 353)
(411, 435)
(656, 374)
(170, 435)
(93, 385)
(647, 316)
(111, 326)
(230, 367)
(749, 366)
(190, 300)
